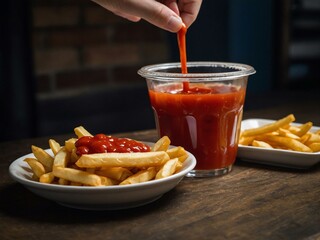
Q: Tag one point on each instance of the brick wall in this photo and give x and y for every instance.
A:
(78, 44)
(85, 63)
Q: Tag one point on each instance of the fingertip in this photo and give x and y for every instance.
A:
(175, 24)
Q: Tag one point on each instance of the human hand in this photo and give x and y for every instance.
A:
(169, 15)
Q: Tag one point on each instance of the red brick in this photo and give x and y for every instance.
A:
(111, 54)
(154, 53)
(53, 60)
(123, 74)
(97, 15)
(141, 31)
(78, 36)
(80, 79)
(55, 16)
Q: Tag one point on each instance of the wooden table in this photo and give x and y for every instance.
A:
(252, 202)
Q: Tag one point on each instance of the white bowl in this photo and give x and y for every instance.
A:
(276, 157)
(99, 198)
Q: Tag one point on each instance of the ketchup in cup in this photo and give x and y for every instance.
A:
(199, 106)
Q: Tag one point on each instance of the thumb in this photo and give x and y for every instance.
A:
(157, 14)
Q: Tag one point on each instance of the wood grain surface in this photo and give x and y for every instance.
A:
(252, 202)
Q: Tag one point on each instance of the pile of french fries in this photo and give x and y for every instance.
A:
(65, 167)
(282, 134)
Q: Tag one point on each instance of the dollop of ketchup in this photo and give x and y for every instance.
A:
(102, 143)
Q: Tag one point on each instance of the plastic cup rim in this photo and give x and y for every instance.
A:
(154, 71)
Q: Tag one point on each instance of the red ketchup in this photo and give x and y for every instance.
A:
(102, 143)
(201, 119)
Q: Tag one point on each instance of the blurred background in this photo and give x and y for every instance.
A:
(65, 63)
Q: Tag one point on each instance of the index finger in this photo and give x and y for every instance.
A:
(189, 10)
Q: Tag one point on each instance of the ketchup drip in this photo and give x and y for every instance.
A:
(183, 54)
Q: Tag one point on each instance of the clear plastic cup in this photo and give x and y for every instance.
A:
(200, 111)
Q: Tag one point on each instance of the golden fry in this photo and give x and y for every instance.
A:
(284, 135)
(141, 176)
(305, 138)
(162, 144)
(47, 178)
(54, 146)
(74, 157)
(246, 141)
(313, 138)
(117, 173)
(70, 144)
(63, 181)
(138, 159)
(43, 157)
(269, 127)
(178, 152)
(61, 159)
(168, 168)
(315, 147)
(261, 144)
(79, 176)
(303, 129)
(37, 168)
(65, 167)
(81, 132)
(289, 143)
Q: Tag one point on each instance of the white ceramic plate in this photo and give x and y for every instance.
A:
(275, 157)
(99, 198)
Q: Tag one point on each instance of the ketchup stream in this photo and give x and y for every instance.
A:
(183, 54)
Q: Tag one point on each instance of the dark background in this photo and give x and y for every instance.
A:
(280, 39)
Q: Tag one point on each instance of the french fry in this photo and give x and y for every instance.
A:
(178, 152)
(70, 144)
(117, 173)
(105, 181)
(54, 146)
(261, 144)
(289, 143)
(305, 138)
(37, 168)
(269, 127)
(81, 132)
(286, 133)
(47, 178)
(61, 159)
(141, 176)
(246, 141)
(168, 168)
(34, 177)
(283, 136)
(79, 176)
(162, 144)
(313, 138)
(179, 166)
(74, 157)
(137, 159)
(303, 129)
(43, 157)
(315, 147)
(63, 181)
(65, 167)
(293, 129)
